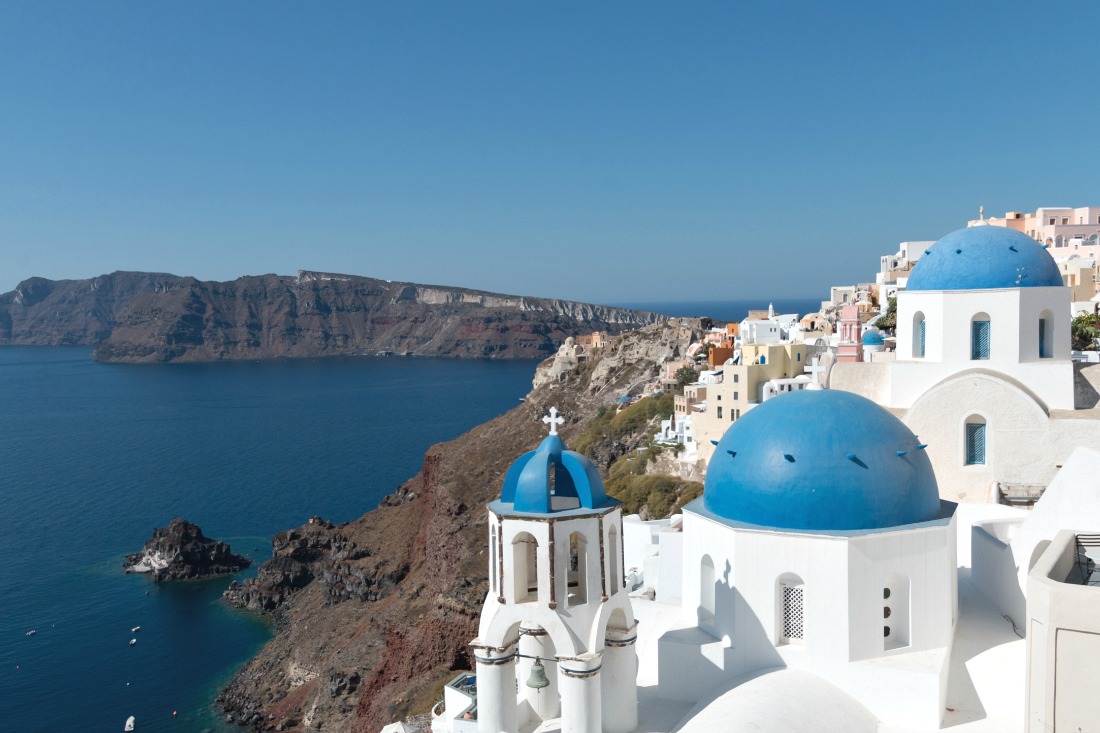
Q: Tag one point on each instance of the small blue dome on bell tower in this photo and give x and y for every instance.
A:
(551, 478)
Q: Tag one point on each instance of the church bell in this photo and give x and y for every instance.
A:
(538, 679)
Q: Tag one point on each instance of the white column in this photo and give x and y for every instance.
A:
(579, 681)
(620, 680)
(496, 690)
(534, 643)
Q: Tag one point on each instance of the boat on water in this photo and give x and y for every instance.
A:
(133, 641)
(129, 723)
(32, 632)
(135, 629)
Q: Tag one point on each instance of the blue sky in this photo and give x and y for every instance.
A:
(630, 151)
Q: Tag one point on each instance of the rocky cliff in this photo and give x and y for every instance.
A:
(373, 616)
(145, 317)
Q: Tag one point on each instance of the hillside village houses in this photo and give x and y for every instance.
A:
(844, 569)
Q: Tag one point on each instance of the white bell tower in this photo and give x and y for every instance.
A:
(557, 632)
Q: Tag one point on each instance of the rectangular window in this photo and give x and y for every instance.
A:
(1065, 220)
(734, 396)
(975, 444)
(1052, 220)
(792, 613)
(736, 379)
(1044, 353)
(979, 340)
(719, 413)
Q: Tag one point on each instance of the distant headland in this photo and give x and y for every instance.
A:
(156, 317)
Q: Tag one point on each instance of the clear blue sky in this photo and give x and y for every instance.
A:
(604, 152)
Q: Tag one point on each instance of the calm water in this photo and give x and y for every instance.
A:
(93, 456)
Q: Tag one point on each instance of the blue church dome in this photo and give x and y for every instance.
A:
(873, 338)
(983, 258)
(821, 460)
(551, 478)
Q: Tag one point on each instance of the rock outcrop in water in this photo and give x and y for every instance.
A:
(180, 551)
(372, 616)
(147, 317)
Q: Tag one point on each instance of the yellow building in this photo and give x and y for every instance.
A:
(741, 387)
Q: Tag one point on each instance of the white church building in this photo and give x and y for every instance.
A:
(826, 580)
(982, 371)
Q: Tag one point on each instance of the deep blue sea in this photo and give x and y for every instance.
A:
(94, 456)
(727, 310)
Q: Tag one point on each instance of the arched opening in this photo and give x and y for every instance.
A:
(896, 623)
(975, 438)
(920, 326)
(706, 591)
(615, 584)
(1059, 241)
(493, 559)
(525, 568)
(790, 599)
(1046, 335)
(578, 569)
(979, 336)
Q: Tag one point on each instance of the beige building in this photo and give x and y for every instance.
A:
(1055, 226)
(741, 387)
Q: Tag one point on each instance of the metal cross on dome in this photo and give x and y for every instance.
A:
(554, 420)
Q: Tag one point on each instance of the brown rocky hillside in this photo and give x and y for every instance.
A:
(153, 317)
(373, 616)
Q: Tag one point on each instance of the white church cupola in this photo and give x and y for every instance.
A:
(984, 298)
(557, 631)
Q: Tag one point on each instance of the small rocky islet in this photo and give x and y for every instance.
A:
(181, 551)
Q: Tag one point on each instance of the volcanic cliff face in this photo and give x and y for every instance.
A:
(143, 317)
(373, 616)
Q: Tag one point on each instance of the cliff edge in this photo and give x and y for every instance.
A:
(156, 317)
(374, 615)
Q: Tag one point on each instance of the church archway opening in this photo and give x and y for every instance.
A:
(525, 572)
(577, 582)
(896, 619)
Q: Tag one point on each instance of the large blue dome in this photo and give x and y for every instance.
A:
(821, 460)
(983, 258)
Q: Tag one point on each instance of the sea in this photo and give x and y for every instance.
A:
(94, 456)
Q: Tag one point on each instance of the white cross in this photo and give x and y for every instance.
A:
(815, 371)
(553, 420)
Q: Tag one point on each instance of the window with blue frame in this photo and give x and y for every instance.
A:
(979, 338)
(975, 442)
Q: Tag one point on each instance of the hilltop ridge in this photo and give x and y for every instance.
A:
(158, 317)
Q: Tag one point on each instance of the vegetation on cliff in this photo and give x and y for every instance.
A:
(373, 616)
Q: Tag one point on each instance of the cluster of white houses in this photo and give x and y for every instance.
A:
(845, 568)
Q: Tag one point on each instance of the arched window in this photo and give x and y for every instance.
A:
(975, 440)
(979, 336)
(525, 568)
(578, 569)
(492, 559)
(1046, 335)
(895, 612)
(790, 599)
(706, 591)
(763, 359)
(919, 335)
(616, 582)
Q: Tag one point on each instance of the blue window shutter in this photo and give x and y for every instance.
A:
(979, 340)
(922, 333)
(975, 444)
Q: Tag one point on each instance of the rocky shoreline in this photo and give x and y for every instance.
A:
(180, 551)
